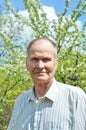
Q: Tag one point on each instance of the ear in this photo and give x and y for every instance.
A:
(27, 64)
(56, 63)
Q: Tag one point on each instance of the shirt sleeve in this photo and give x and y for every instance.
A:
(16, 120)
(13, 121)
(80, 112)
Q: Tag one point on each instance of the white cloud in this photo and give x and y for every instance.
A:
(24, 14)
(79, 24)
(51, 15)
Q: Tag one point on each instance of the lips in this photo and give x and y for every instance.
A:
(40, 72)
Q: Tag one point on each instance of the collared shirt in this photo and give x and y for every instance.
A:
(62, 108)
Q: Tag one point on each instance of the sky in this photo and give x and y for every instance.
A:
(58, 6)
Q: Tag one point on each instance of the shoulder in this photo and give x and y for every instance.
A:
(22, 98)
(72, 90)
(25, 94)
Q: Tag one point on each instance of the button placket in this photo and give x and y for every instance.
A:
(37, 115)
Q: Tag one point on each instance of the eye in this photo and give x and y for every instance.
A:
(34, 59)
(46, 59)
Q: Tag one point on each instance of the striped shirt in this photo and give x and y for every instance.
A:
(62, 108)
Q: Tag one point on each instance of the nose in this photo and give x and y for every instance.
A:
(39, 64)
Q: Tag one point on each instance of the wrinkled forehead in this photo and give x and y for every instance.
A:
(41, 45)
(40, 41)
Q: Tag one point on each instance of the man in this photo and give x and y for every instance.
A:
(49, 105)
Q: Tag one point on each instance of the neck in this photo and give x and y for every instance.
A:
(41, 88)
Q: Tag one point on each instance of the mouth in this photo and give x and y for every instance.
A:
(40, 73)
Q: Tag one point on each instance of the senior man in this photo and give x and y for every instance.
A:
(48, 105)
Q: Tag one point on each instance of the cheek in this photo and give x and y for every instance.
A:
(30, 66)
(51, 67)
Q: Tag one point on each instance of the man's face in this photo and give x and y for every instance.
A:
(41, 61)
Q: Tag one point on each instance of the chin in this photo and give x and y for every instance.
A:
(41, 79)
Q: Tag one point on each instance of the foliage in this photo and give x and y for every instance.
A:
(69, 38)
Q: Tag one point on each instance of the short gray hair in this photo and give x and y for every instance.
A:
(34, 40)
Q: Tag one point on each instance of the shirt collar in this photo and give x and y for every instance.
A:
(51, 94)
(32, 96)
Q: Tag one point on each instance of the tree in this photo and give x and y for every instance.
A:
(13, 74)
(69, 38)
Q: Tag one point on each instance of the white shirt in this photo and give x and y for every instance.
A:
(62, 108)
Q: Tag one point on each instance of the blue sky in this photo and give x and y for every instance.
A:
(57, 4)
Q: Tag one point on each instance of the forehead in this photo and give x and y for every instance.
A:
(41, 45)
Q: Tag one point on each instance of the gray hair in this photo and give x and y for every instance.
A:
(33, 41)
